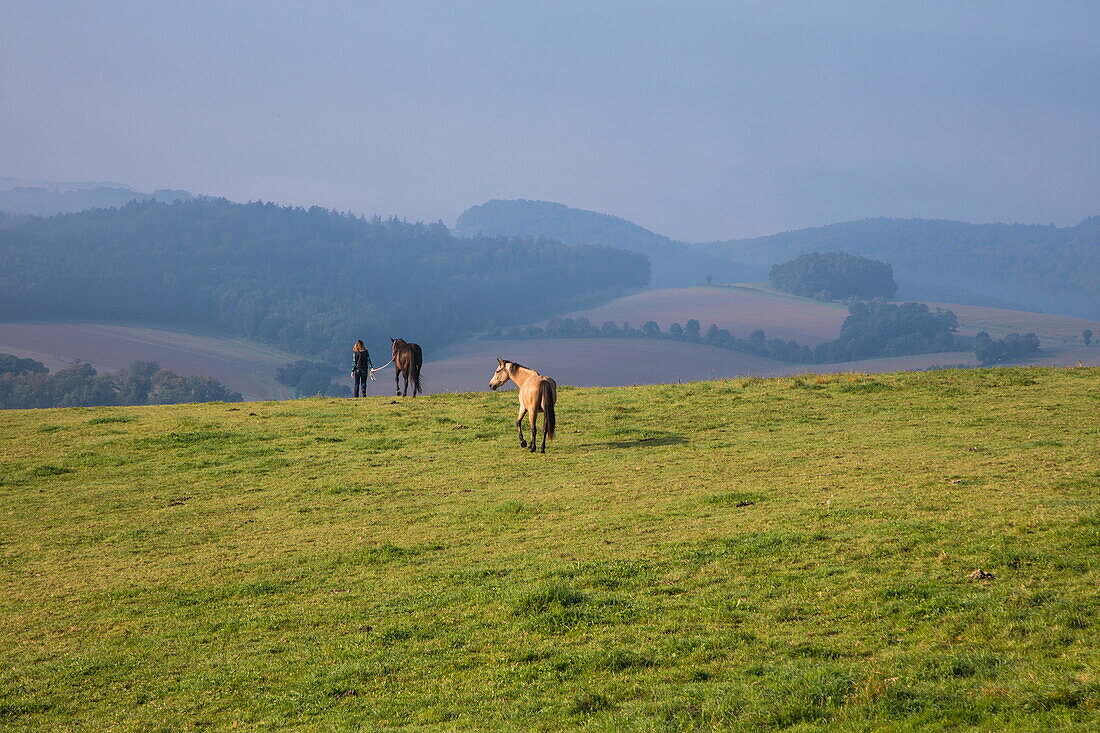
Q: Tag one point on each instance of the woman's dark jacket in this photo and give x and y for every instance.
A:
(362, 361)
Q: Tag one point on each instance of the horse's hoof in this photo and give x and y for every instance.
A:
(523, 444)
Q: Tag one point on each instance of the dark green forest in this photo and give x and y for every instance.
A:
(834, 276)
(1029, 266)
(310, 281)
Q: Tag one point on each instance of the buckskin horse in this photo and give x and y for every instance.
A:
(536, 394)
(407, 360)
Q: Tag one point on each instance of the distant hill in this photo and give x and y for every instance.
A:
(309, 281)
(1040, 267)
(1023, 266)
(45, 198)
(674, 264)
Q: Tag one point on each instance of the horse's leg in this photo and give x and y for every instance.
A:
(519, 425)
(397, 379)
(534, 427)
(405, 392)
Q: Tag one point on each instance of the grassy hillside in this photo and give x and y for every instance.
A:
(749, 553)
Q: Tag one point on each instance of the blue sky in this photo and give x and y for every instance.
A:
(698, 120)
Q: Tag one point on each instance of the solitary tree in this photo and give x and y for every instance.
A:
(1087, 335)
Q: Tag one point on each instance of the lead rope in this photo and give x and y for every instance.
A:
(378, 369)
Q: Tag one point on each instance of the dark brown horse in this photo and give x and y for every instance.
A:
(407, 360)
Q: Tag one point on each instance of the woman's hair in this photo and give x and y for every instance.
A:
(359, 346)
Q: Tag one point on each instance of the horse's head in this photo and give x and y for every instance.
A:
(500, 376)
(396, 345)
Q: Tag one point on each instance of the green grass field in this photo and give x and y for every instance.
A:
(745, 554)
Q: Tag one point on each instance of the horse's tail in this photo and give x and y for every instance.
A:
(417, 362)
(546, 395)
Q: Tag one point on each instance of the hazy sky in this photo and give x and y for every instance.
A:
(698, 120)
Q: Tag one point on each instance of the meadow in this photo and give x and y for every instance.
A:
(794, 553)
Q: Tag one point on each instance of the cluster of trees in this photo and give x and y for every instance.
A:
(310, 281)
(874, 328)
(1013, 346)
(834, 276)
(309, 378)
(26, 383)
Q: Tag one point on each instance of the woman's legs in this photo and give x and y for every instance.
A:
(360, 379)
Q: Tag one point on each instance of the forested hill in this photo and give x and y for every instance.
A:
(1049, 268)
(674, 264)
(309, 281)
(1046, 268)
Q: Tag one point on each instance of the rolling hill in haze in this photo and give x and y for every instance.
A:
(1024, 266)
(305, 281)
(45, 198)
(673, 264)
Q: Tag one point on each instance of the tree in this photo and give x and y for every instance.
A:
(1013, 346)
(136, 382)
(313, 383)
(1087, 335)
(651, 329)
(10, 364)
(676, 331)
(834, 276)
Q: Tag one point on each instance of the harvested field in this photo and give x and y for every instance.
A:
(244, 366)
(586, 362)
(739, 309)
(999, 321)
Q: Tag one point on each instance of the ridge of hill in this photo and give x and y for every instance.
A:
(1022, 266)
(673, 264)
(901, 551)
(46, 198)
(309, 281)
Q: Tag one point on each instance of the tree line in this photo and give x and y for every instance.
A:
(310, 281)
(28, 384)
(872, 329)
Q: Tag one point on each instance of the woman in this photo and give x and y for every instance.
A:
(360, 372)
